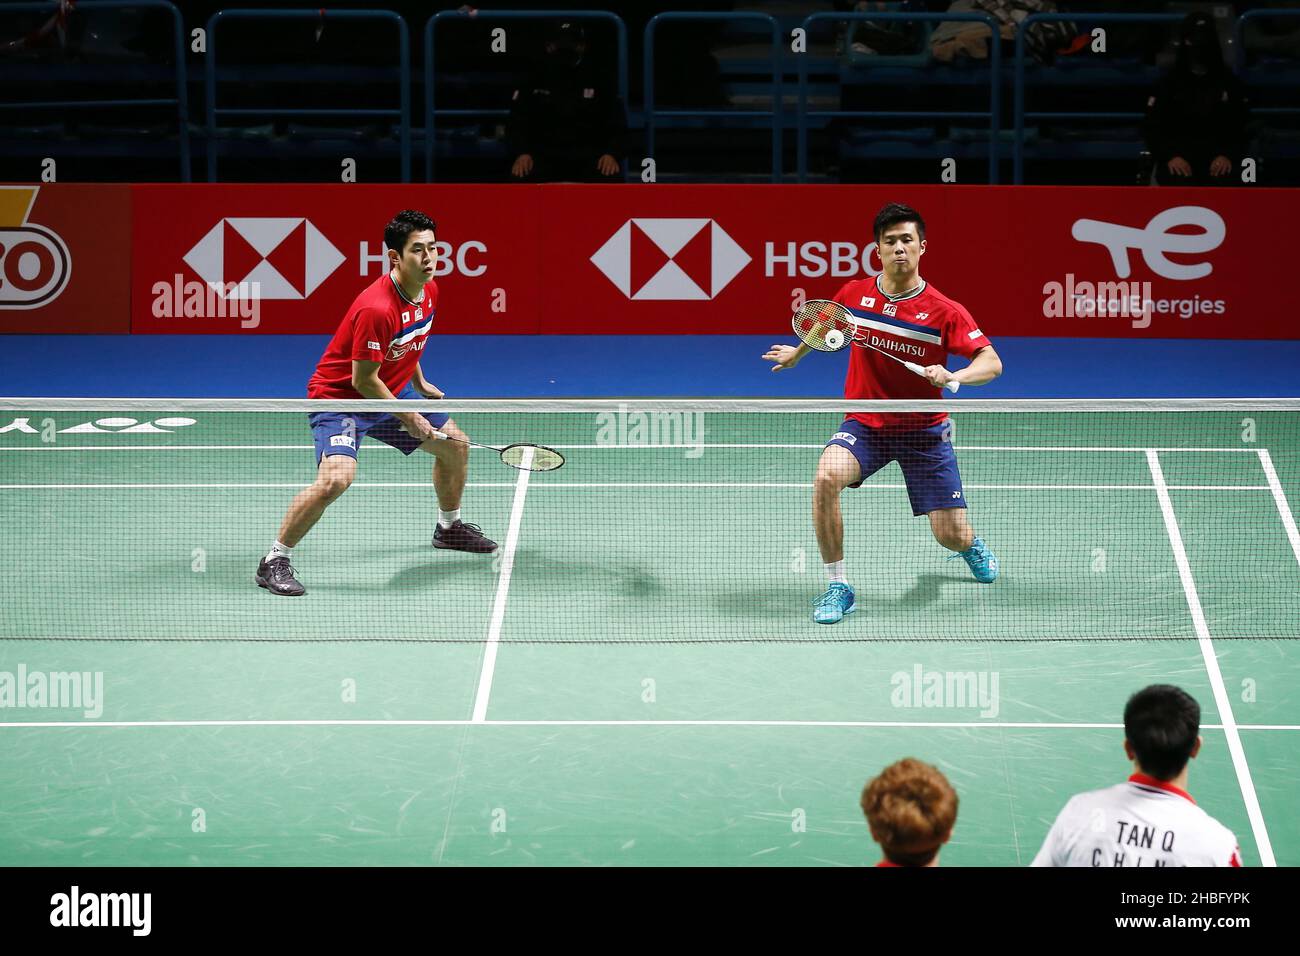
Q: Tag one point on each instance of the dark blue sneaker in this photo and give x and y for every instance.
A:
(981, 561)
(831, 607)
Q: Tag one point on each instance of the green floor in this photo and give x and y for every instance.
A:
(655, 692)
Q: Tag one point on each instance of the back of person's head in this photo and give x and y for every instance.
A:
(911, 809)
(1161, 723)
(1198, 49)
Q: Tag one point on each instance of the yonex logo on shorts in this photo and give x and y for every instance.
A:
(844, 437)
(343, 440)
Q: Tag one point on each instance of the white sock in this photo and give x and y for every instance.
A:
(448, 518)
(835, 571)
(279, 550)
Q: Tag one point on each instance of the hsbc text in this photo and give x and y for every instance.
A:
(466, 259)
(815, 259)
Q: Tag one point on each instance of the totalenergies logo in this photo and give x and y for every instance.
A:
(35, 264)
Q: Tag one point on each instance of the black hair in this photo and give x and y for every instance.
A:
(891, 214)
(1161, 722)
(1198, 46)
(397, 232)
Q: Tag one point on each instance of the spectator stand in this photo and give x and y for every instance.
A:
(342, 81)
(877, 72)
(1270, 79)
(765, 83)
(467, 141)
(102, 61)
(1121, 77)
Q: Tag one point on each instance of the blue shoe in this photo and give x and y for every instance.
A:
(834, 604)
(981, 561)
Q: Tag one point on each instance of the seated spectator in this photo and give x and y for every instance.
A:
(1150, 820)
(911, 809)
(1195, 127)
(566, 122)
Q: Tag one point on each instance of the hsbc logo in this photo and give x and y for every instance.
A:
(1155, 241)
(285, 258)
(35, 264)
(670, 259)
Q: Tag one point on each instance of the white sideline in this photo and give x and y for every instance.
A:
(1221, 701)
(946, 724)
(1279, 496)
(484, 691)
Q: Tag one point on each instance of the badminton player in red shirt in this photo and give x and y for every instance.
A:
(375, 354)
(907, 317)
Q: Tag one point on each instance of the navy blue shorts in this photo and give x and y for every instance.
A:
(926, 456)
(339, 433)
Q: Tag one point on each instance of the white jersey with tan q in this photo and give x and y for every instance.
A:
(1141, 822)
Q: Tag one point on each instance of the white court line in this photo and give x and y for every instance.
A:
(1221, 701)
(556, 485)
(604, 447)
(910, 724)
(503, 591)
(1279, 496)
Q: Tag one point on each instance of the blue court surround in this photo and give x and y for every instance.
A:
(514, 366)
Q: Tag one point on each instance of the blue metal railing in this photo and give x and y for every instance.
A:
(1238, 38)
(404, 60)
(993, 114)
(775, 113)
(178, 52)
(431, 112)
(1079, 18)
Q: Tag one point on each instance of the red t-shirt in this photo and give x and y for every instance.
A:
(382, 325)
(923, 327)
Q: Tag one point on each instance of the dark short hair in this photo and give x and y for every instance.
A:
(397, 232)
(1161, 722)
(891, 214)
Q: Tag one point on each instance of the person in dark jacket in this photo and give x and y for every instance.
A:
(566, 123)
(1195, 125)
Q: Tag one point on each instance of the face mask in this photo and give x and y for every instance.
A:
(564, 56)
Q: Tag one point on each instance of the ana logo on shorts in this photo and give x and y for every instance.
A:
(343, 440)
(844, 437)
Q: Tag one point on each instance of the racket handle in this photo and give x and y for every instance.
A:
(950, 386)
(438, 434)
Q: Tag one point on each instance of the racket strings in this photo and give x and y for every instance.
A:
(532, 457)
(814, 321)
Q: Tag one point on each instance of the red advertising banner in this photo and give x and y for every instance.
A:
(65, 259)
(608, 259)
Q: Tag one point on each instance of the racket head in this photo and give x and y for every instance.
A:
(817, 318)
(529, 457)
